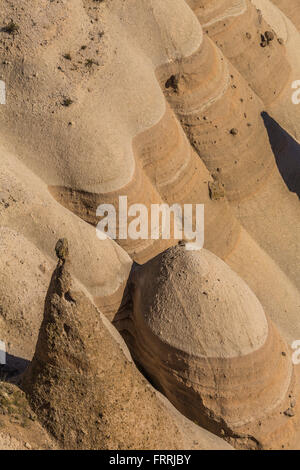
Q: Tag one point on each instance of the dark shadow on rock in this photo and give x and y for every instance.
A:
(14, 367)
(286, 151)
(123, 318)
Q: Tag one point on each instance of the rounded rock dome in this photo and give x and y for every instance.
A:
(195, 303)
(201, 336)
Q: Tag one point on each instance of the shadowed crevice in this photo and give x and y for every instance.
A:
(14, 367)
(286, 151)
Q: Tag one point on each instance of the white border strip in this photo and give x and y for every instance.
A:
(2, 353)
(2, 92)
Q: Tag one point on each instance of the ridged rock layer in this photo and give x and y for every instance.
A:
(235, 148)
(237, 27)
(87, 392)
(202, 337)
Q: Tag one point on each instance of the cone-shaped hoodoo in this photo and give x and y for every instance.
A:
(86, 391)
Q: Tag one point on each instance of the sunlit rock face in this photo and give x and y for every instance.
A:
(200, 334)
(291, 9)
(239, 29)
(164, 102)
(79, 360)
(86, 109)
(223, 116)
(260, 38)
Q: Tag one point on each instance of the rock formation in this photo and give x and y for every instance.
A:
(242, 160)
(202, 337)
(290, 9)
(19, 426)
(85, 389)
(161, 102)
(240, 31)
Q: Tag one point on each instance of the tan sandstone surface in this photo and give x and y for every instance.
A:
(77, 365)
(213, 352)
(164, 102)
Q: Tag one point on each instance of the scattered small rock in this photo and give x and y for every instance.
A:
(11, 28)
(91, 62)
(42, 268)
(67, 102)
(269, 35)
(267, 38)
(216, 190)
(234, 131)
(172, 82)
(264, 42)
(62, 249)
(289, 413)
(260, 17)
